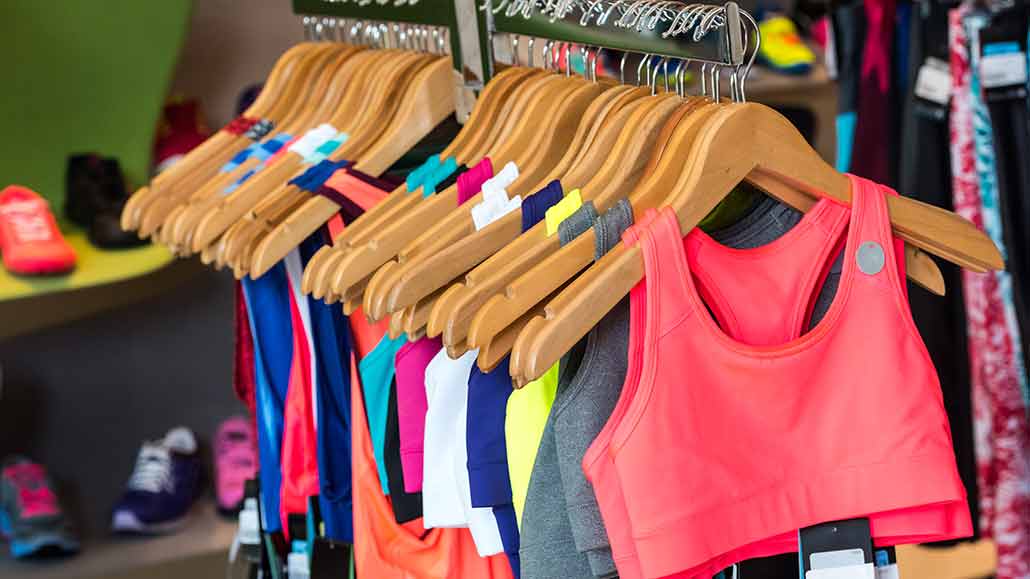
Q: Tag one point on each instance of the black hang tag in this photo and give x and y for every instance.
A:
(836, 541)
(298, 525)
(329, 559)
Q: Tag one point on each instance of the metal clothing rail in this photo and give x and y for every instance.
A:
(703, 33)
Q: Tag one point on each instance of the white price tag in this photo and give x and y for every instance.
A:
(1005, 69)
(933, 82)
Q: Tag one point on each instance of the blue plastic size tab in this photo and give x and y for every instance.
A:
(416, 177)
(445, 170)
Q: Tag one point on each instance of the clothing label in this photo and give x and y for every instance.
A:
(841, 558)
(864, 571)
(933, 82)
(1003, 64)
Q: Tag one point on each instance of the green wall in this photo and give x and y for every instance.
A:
(83, 75)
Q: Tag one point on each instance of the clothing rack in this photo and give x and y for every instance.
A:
(718, 37)
(707, 34)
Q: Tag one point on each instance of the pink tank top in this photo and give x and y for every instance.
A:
(754, 442)
(724, 273)
(410, 365)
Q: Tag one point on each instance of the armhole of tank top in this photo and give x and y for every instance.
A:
(637, 405)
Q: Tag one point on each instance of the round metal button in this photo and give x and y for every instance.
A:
(870, 257)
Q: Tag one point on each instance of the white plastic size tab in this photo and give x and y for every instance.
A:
(311, 140)
(864, 571)
(1002, 69)
(490, 210)
(496, 185)
(933, 81)
(840, 558)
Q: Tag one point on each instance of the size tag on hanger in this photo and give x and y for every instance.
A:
(415, 178)
(561, 211)
(1003, 64)
(933, 82)
(438, 175)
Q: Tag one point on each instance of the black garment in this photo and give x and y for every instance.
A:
(925, 174)
(406, 506)
(1011, 127)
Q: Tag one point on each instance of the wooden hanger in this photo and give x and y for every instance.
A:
(338, 77)
(429, 101)
(312, 86)
(270, 95)
(298, 92)
(535, 147)
(234, 206)
(363, 260)
(636, 133)
(317, 274)
(404, 92)
(356, 71)
(289, 67)
(507, 312)
(555, 265)
(739, 139)
(401, 91)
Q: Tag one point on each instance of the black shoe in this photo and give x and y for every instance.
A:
(94, 196)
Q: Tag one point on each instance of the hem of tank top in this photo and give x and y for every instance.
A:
(848, 489)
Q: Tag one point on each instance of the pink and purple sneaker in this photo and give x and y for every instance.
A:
(235, 447)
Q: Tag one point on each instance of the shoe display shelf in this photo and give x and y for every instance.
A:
(102, 280)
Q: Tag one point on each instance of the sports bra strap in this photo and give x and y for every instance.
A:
(876, 254)
(666, 271)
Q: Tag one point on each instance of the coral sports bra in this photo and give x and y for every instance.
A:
(786, 272)
(756, 440)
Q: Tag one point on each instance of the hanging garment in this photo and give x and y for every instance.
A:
(243, 353)
(411, 362)
(386, 550)
(876, 127)
(1006, 38)
(299, 457)
(333, 345)
(489, 481)
(447, 499)
(793, 465)
(524, 421)
(848, 33)
(1000, 424)
(926, 176)
(377, 372)
(582, 407)
(268, 310)
(406, 506)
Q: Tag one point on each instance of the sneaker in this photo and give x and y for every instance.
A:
(30, 515)
(95, 194)
(30, 241)
(782, 48)
(235, 462)
(163, 486)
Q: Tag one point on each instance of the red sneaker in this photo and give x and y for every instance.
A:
(30, 241)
